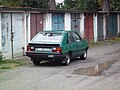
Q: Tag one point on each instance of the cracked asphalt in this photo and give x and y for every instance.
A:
(52, 76)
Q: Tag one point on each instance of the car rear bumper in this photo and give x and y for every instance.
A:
(45, 56)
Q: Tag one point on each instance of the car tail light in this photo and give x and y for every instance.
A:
(58, 49)
(29, 48)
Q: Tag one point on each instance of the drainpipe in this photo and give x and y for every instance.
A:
(12, 36)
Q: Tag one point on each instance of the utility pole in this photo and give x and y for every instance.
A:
(52, 4)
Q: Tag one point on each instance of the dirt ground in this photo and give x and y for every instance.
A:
(52, 76)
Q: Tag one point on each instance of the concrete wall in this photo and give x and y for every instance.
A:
(82, 25)
(67, 21)
(47, 22)
(95, 28)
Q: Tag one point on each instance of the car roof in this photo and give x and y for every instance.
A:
(58, 31)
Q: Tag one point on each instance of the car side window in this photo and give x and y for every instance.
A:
(71, 37)
(77, 37)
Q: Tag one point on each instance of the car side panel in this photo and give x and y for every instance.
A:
(81, 48)
(71, 48)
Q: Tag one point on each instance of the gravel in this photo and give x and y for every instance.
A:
(52, 76)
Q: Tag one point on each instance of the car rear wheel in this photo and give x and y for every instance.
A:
(84, 55)
(67, 60)
(36, 62)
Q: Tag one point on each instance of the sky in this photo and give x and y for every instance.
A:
(59, 1)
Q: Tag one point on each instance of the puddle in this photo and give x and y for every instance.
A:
(95, 70)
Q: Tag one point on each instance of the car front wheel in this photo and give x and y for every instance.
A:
(84, 55)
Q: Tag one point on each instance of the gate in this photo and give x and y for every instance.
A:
(57, 21)
(6, 35)
(13, 34)
(75, 22)
(112, 25)
(88, 25)
(19, 34)
(36, 23)
(100, 27)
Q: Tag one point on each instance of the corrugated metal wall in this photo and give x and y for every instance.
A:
(112, 25)
(100, 27)
(75, 22)
(88, 25)
(57, 21)
(12, 26)
(36, 23)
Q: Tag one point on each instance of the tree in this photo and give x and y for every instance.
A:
(115, 5)
(52, 4)
(104, 5)
(35, 3)
(60, 6)
(25, 3)
(90, 5)
(11, 2)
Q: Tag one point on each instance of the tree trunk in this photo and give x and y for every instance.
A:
(52, 5)
(105, 5)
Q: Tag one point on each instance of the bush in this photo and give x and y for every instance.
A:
(1, 56)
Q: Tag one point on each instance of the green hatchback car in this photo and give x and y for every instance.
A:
(60, 46)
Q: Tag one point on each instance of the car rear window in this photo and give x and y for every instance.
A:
(48, 37)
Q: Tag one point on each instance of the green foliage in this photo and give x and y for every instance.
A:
(90, 5)
(1, 57)
(11, 2)
(25, 3)
(113, 40)
(115, 5)
(60, 6)
(35, 3)
(9, 64)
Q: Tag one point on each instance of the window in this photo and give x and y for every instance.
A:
(71, 37)
(77, 37)
(48, 37)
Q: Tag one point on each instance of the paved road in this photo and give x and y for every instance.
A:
(51, 76)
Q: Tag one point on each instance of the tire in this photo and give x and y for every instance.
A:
(36, 62)
(84, 55)
(67, 60)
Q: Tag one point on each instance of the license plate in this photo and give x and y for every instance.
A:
(44, 49)
(51, 56)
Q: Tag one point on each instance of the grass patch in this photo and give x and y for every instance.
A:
(6, 67)
(93, 44)
(111, 40)
(9, 64)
